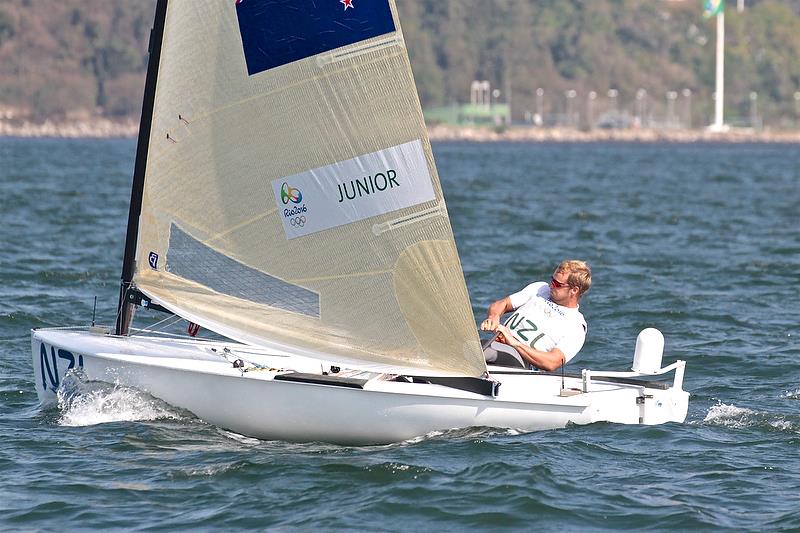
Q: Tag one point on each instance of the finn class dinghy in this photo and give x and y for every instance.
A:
(286, 198)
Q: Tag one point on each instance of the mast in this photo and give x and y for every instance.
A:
(124, 309)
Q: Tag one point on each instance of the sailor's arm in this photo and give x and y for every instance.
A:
(549, 361)
(496, 310)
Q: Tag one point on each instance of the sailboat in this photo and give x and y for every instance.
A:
(285, 197)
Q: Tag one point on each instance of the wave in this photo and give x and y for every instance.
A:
(475, 433)
(86, 403)
(242, 439)
(735, 417)
(792, 395)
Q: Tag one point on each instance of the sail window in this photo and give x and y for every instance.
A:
(191, 259)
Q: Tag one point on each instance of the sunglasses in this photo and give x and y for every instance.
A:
(557, 284)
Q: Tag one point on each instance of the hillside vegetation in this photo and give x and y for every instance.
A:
(80, 58)
(73, 57)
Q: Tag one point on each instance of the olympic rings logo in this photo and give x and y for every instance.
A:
(298, 221)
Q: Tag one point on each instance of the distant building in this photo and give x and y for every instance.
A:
(470, 114)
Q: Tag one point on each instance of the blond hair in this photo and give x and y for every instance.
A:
(578, 274)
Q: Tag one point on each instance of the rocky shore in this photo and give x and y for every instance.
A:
(104, 128)
(531, 134)
(97, 128)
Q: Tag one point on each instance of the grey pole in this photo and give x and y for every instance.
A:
(571, 113)
(539, 119)
(796, 107)
(754, 110)
(671, 97)
(687, 102)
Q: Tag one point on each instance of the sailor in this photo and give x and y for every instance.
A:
(546, 329)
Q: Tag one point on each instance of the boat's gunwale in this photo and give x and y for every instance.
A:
(224, 368)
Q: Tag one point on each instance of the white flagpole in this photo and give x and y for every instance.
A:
(719, 124)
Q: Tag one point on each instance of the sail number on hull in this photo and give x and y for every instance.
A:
(49, 357)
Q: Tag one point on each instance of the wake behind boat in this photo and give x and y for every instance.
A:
(285, 197)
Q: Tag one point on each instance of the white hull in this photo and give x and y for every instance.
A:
(199, 376)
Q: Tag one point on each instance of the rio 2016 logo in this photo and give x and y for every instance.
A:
(290, 194)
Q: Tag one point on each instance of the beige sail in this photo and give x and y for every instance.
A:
(299, 206)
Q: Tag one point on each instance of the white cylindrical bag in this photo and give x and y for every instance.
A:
(649, 350)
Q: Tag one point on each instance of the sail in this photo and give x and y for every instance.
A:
(291, 198)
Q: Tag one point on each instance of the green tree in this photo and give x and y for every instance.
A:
(7, 28)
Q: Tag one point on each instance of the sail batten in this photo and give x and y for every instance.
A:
(296, 202)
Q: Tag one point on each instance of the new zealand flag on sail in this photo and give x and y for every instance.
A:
(277, 32)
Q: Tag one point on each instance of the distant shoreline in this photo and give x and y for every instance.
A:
(104, 128)
(531, 134)
(99, 128)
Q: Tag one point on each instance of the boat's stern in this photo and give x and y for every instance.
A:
(655, 402)
(628, 398)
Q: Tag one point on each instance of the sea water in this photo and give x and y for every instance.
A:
(700, 240)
